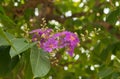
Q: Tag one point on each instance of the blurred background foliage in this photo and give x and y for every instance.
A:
(97, 23)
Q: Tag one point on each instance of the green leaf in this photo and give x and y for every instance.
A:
(108, 51)
(106, 54)
(20, 45)
(4, 59)
(113, 16)
(28, 70)
(39, 61)
(6, 21)
(2, 10)
(6, 63)
(4, 42)
(105, 72)
(3, 34)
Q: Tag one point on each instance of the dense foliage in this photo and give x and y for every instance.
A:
(95, 22)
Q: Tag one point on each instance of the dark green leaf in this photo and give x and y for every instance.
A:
(6, 63)
(108, 51)
(2, 10)
(28, 69)
(6, 21)
(113, 16)
(4, 60)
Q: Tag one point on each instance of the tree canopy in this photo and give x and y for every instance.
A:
(87, 32)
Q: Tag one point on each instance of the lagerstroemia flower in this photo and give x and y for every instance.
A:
(66, 39)
(71, 38)
(58, 40)
(70, 50)
(41, 35)
(50, 45)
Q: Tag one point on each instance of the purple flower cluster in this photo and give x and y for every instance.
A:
(41, 35)
(50, 41)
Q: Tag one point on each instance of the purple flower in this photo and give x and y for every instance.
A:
(70, 51)
(34, 38)
(60, 38)
(50, 45)
(41, 35)
(71, 41)
(41, 31)
(66, 39)
(35, 31)
(71, 38)
(49, 41)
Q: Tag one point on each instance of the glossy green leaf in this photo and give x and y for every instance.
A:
(20, 45)
(3, 41)
(39, 61)
(2, 33)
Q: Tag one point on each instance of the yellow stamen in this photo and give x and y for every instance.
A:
(72, 38)
(51, 45)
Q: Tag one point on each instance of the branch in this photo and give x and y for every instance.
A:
(76, 15)
(108, 27)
